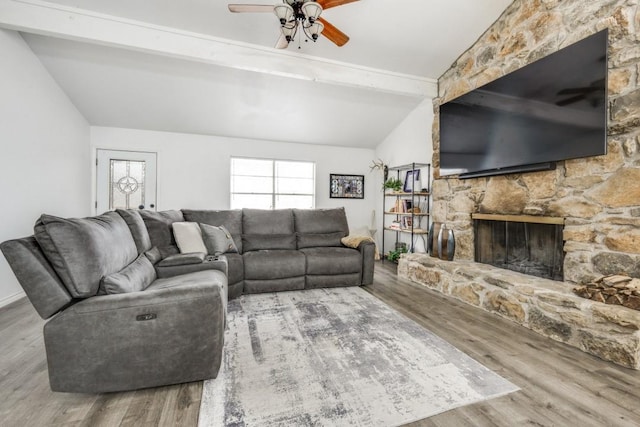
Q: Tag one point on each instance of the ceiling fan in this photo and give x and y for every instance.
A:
(295, 14)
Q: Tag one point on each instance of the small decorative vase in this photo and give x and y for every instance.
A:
(446, 243)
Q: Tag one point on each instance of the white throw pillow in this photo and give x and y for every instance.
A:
(188, 237)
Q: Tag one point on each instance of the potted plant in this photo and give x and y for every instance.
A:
(393, 184)
(394, 256)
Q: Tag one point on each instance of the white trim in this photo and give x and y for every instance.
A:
(11, 298)
(41, 17)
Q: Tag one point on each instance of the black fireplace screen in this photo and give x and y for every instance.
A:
(529, 248)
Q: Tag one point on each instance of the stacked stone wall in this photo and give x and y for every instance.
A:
(545, 306)
(598, 196)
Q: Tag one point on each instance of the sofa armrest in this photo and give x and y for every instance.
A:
(183, 259)
(209, 263)
(368, 251)
(137, 340)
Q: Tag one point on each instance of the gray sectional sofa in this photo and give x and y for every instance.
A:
(127, 310)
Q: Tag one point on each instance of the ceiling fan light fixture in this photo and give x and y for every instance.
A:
(284, 12)
(289, 31)
(314, 30)
(312, 10)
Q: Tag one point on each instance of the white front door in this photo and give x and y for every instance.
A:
(125, 180)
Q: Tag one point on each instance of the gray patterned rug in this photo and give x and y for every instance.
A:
(336, 357)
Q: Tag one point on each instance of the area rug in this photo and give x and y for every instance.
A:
(336, 357)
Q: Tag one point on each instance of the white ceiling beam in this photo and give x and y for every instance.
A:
(44, 18)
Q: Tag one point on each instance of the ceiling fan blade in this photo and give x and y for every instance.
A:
(282, 42)
(244, 8)
(326, 4)
(333, 34)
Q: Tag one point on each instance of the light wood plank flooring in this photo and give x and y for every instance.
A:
(560, 385)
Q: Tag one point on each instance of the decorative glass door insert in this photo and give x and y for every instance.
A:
(126, 184)
(125, 180)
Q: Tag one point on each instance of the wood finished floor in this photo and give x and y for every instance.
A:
(560, 385)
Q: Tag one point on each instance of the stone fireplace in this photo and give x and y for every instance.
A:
(598, 197)
(527, 244)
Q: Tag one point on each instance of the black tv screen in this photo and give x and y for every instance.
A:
(550, 110)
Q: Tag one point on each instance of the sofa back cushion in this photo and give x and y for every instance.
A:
(138, 229)
(133, 278)
(159, 226)
(84, 250)
(35, 274)
(320, 227)
(267, 229)
(230, 219)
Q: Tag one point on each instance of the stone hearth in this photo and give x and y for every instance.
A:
(545, 306)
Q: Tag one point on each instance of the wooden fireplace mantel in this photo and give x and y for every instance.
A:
(519, 218)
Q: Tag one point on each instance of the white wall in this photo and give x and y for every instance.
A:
(193, 170)
(409, 142)
(45, 151)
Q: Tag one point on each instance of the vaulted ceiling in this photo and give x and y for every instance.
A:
(192, 66)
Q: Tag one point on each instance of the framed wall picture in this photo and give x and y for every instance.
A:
(411, 179)
(346, 186)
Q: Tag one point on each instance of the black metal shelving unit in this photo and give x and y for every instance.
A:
(416, 225)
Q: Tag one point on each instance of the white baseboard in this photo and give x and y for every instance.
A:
(11, 298)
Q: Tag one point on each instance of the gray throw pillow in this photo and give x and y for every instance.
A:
(133, 278)
(217, 239)
(153, 255)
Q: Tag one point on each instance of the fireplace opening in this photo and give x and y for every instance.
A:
(527, 244)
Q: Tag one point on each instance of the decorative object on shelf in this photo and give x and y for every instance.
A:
(432, 240)
(412, 180)
(393, 184)
(446, 243)
(346, 186)
(381, 166)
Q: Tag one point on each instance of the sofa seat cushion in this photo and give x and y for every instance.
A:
(273, 264)
(329, 261)
(205, 277)
(84, 250)
(133, 278)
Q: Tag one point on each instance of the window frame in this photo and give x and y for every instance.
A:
(274, 195)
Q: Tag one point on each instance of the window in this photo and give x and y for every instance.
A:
(272, 184)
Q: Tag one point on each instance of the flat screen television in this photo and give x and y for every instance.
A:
(552, 109)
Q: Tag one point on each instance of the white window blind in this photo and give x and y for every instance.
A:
(272, 184)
